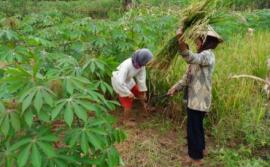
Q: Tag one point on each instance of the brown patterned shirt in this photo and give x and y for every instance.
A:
(198, 79)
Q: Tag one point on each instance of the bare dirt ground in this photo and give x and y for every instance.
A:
(155, 141)
(152, 145)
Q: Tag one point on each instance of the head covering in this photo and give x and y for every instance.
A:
(212, 33)
(141, 57)
(210, 39)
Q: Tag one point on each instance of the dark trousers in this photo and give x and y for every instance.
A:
(195, 134)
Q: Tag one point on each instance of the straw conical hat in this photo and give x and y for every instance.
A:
(211, 32)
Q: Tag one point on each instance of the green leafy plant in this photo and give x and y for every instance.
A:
(55, 111)
(55, 67)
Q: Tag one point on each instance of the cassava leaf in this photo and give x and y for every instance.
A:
(68, 115)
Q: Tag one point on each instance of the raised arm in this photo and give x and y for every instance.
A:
(204, 58)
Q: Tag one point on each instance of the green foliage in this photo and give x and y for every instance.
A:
(234, 4)
(52, 70)
(93, 8)
(56, 62)
(244, 4)
(240, 157)
(248, 104)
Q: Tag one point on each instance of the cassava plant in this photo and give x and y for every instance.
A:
(54, 111)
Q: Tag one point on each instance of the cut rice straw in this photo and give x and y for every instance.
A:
(250, 77)
(196, 19)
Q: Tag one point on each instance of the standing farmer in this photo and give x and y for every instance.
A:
(197, 83)
(124, 84)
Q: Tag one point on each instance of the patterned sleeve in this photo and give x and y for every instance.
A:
(204, 58)
(182, 83)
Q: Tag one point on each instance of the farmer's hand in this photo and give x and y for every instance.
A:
(171, 91)
(143, 96)
(180, 31)
(131, 95)
(182, 45)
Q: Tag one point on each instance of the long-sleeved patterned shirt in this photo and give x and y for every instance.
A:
(198, 79)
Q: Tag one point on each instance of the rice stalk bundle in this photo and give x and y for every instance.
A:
(195, 20)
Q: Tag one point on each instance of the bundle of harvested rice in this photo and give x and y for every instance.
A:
(195, 19)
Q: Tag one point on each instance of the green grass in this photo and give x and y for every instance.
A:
(232, 157)
(240, 100)
(235, 4)
(82, 8)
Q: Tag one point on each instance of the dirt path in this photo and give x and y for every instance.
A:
(157, 141)
(154, 142)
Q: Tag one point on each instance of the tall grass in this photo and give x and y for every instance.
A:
(234, 4)
(239, 105)
(249, 4)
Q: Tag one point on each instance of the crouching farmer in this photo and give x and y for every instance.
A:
(124, 84)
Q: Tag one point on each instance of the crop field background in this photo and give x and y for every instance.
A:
(57, 106)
